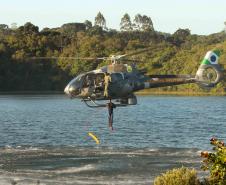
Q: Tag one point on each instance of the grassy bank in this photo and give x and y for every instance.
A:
(141, 93)
(180, 93)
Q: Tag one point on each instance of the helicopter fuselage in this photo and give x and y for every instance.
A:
(125, 80)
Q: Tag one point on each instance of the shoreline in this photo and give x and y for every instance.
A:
(141, 93)
(30, 92)
(179, 93)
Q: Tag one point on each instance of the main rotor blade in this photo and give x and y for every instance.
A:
(131, 60)
(70, 58)
(120, 57)
(111, 58)
(137, 52)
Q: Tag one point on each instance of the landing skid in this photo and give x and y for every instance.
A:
(93, 104)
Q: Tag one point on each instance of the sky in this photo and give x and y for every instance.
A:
(200, 16)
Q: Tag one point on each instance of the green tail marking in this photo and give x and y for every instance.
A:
(205, 62)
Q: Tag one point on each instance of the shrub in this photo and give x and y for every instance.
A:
(180, 176)
(215, 162)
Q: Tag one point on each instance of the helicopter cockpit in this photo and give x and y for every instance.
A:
(92, 84)
(86, 85)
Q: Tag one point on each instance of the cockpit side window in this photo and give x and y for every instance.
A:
(99, 79)
(88, 80)
(93, 80)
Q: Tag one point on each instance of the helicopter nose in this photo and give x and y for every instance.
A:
(70, 90)
(66, 90)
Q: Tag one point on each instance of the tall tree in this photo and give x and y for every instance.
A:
(100, 21)
(126, 24)
(143, 23)
(137, 22)
(147, 24)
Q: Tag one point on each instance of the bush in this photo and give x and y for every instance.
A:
(215, 162)
(180, 176)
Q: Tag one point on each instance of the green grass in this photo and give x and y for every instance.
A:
(180, 93)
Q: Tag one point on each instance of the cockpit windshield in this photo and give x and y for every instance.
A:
(77, 79)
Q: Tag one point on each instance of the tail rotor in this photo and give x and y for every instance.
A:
(209, 73)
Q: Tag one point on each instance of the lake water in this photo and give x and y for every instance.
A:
(44, 138)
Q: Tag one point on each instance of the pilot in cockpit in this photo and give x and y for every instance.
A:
(88, 81)
(99, 82)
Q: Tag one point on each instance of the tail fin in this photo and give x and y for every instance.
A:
(209, 73)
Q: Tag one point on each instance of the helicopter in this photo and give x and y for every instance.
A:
(126, 79)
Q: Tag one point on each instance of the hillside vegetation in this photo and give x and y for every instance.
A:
(176, 53)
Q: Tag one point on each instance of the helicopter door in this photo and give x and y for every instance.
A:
(116, 85)
(116, 77)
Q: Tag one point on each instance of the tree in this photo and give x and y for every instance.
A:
(143, 23)
(137, 22)
(126, 24)
(4, 27)
(147, 24)
(182, 33)
(70, 29)
(4, 30)
(95, 30)
(29, 28)
(88, 24)
(100, 21)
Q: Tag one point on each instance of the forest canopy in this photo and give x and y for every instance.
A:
(180, 52)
